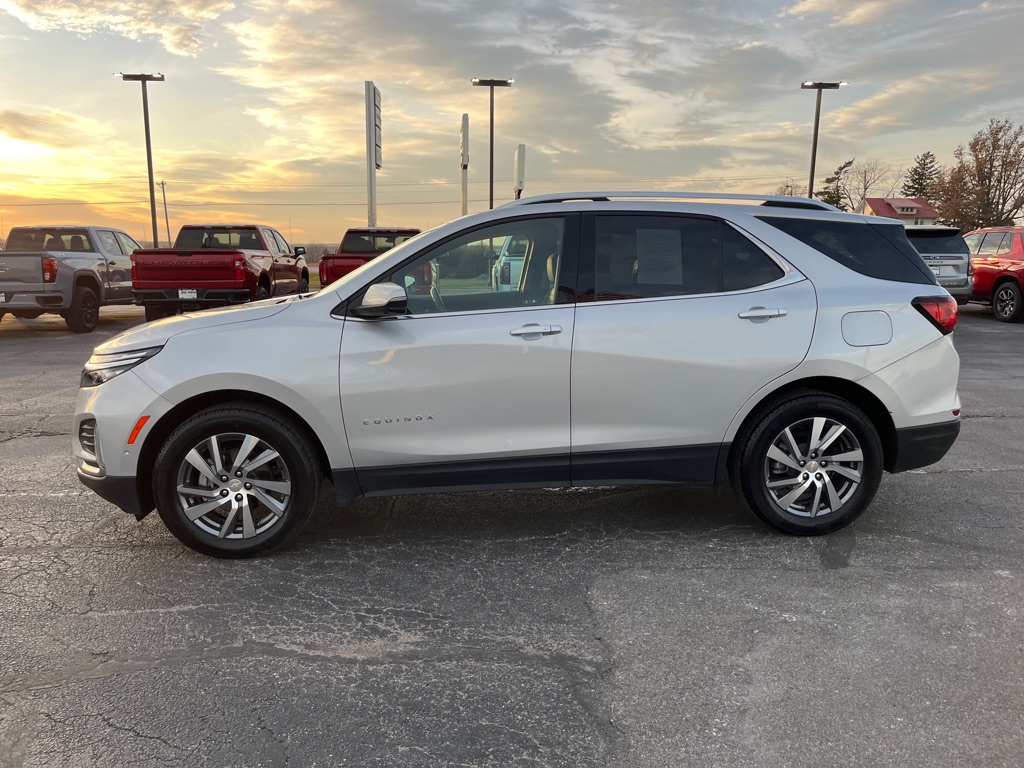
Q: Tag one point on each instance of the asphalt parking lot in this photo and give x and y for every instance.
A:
(628, 627)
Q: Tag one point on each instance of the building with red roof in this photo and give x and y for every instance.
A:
(909, 210)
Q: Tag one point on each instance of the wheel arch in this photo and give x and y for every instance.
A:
(190, 407)
(89, 280)
(873, 408)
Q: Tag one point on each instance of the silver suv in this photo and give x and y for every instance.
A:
(651, 338)
(945, 252)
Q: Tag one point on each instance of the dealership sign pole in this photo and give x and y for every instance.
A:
(373, 152)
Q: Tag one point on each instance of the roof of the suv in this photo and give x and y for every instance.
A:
(772, 201)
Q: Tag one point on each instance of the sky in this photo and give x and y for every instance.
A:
(261, 116)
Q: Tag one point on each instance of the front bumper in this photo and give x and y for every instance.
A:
(122, 492)
(920, 446)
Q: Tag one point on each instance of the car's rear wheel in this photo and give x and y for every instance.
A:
(1006, 303)
(84, 314)
(235, 481)
(810, 464)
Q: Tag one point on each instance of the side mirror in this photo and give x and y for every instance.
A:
(383, 300)
(300, 250)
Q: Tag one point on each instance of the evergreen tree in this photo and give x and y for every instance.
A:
(921, 178)
(834, 192)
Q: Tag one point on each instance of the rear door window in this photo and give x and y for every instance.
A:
(876, 250)
(639, 257)
(993, 243)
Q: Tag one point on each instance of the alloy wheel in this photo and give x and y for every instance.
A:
(813, 467)
(234, 486)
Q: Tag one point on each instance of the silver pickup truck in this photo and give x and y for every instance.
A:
(70, 271)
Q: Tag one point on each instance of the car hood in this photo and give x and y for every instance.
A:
(157, 333)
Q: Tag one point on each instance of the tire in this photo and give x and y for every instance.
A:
(157, 312)
(303, 285)
(261, 294)
(85, 310)
(962, 301)
(770, 468)
(1006, 303)
(263, 506)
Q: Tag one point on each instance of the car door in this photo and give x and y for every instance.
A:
(286, 264)
(470, 389)
(277, 263)
(680, 321)
(117, 248)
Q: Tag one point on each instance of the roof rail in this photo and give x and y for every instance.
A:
(779, 201)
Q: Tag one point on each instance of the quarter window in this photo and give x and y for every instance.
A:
(513, 264)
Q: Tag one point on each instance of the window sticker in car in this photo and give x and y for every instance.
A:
(658, 256)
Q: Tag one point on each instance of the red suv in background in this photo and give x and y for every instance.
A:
(997, 254)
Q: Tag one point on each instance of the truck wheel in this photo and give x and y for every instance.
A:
(261, 294)
(85, 310)
(236, 480)
(303, 285)
(156, 312)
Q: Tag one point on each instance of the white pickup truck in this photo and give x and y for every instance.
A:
(71, 271)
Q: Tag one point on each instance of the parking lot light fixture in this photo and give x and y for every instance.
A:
(492, 84)
(146, 78)
(819, 87)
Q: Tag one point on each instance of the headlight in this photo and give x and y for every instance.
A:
(101, 368)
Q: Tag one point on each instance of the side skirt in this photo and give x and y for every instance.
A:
(689, 465)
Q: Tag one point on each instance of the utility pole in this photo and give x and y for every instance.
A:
(167, 221)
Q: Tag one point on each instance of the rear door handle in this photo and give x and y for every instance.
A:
(762, 313)
(535, 329)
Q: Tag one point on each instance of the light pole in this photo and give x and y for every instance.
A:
(145, 78)
(492, 84)
(819, 87)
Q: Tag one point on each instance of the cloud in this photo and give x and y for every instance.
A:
(53, 128)
(177, 24)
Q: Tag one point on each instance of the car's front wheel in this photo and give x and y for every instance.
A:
(809, 464)
(1006, 303)
(235, 481)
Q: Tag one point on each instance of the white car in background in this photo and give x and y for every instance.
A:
(508, 265)
(651, 338)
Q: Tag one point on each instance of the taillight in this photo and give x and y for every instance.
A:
(240, 268)
(135, 269)
(970, 267)
(942, 311)
(49, 269)
(506, 274)
(323, 273)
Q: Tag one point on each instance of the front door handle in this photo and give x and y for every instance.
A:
(762, 314)
(534, 329)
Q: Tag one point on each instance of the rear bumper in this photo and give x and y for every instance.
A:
(920, 446)
(18, 296)
(204, 296)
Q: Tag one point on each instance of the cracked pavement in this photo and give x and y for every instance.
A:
(624, 627)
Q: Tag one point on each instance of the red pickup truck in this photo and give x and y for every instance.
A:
(216, 264)
(358, 246)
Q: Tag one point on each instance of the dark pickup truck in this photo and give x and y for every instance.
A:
(217, 264)
(358, 246)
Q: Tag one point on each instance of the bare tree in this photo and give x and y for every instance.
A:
(985, 186)
(788, 189)
(869, 178)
